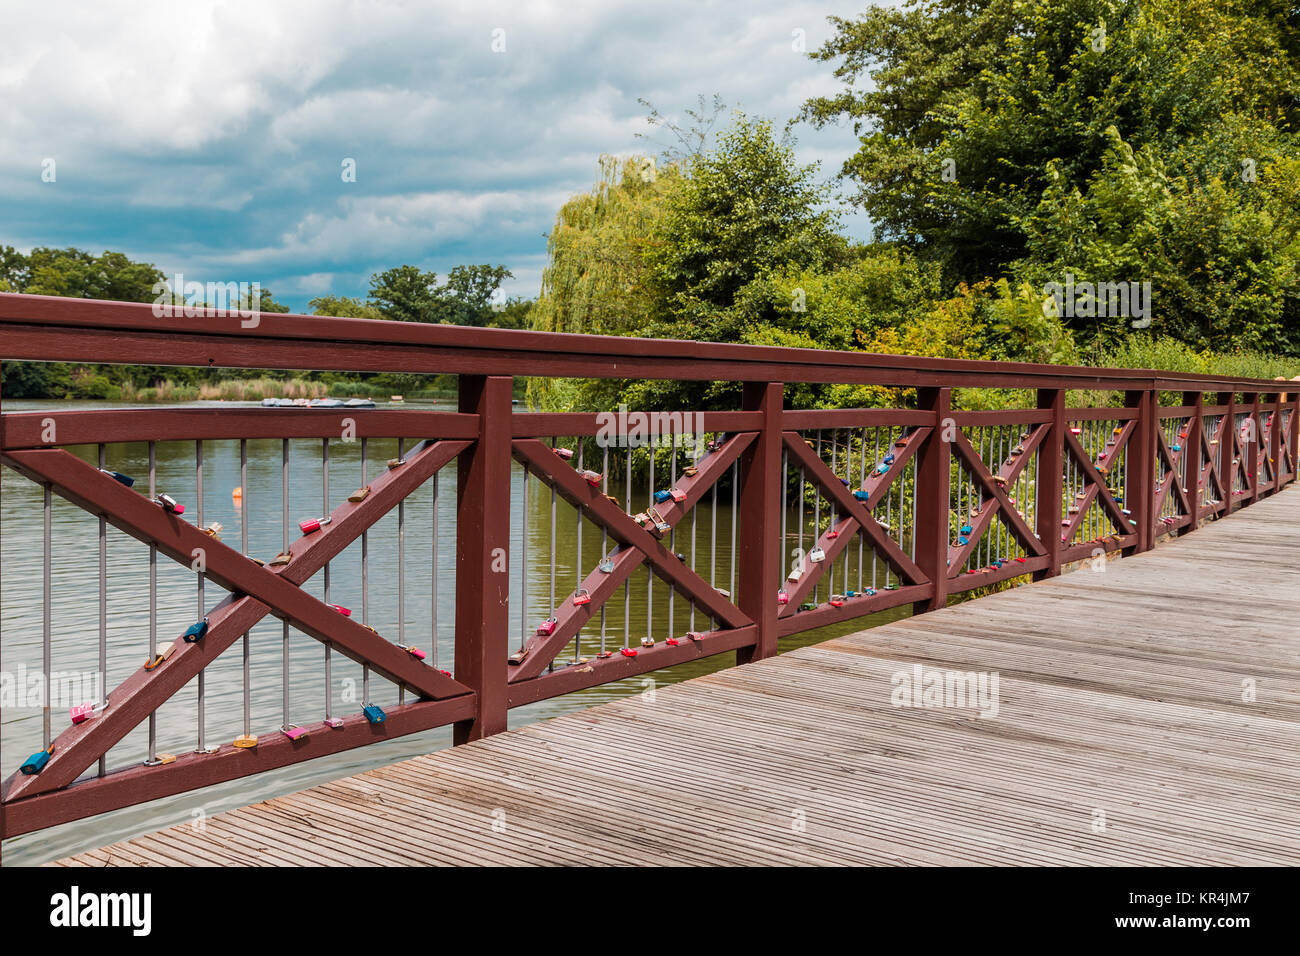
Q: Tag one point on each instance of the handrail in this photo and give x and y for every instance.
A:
(53, 328)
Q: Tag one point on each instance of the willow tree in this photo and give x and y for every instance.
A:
(595, 280)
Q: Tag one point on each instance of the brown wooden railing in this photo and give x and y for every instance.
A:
(926, 501)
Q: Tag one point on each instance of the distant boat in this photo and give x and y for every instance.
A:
(359, 403)
(326, 403)
(395, 399)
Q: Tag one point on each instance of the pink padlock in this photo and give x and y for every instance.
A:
(415, 652)
(678, 495)
(83, 712)
(294, 732)
(312, 524)
(547, 627)
(581, 596)
(592, 478)
(346, 612)
(782, 597)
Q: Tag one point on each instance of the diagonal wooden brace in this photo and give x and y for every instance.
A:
(255, 591)
(637, 546)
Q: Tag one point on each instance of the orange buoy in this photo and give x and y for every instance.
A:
(237, 496)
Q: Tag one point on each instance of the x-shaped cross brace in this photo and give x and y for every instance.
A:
(636, 545)
(854, 517)
(995, 501)
(1096, 488)
(255, 592)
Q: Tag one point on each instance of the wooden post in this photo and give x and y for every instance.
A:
(1275, 444)
(933, 496)
(482, 551)
(1140, 483)
(1293, 439)
(1228, 449)
(1251, 451)
(758, 542)
(1051, 465)
(1192, 457)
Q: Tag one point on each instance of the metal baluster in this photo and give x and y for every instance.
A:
(202, 605)
(889, 512)
(284, 546)
(153, 598)
(862, 481)
(735, 486)
(874, 563)
(433, 584)
(103, 611)
(47, 584)
(551, 666)
(817, 514)
(649, 573)
(325, 509)
(243, 547)
(401, 576)
(604, 537)
(695, 516)
(627, 583)
(672, 535)
(365, 580)
(713, 540)
(578, 564)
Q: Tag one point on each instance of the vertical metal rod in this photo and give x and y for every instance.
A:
(524, 629)
(243, 547)
(578, 564)
(649, 573)
(325, 509)
(433, 583)
(284, 546)
(401, 575)
(735, 488)
(862, 482)
(47, 584)
(876, 458)
(672, 535)
(785, 514)
(604, 537)
(103, 610)
(153, 596)
(202, 604)
(365, 579)
(695, 517)
(627, 584)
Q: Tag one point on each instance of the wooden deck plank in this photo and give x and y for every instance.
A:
(1119, 691)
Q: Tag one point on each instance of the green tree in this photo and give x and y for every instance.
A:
(409, 294)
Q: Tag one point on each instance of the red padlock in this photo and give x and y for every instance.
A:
(547, 627)
(346, 612)
(628, 652)
(415, 652)
(581, 596)
(592, 478)
(605, 655)
(312, 524)
(672, 641)
(782, 596)
(678, 495)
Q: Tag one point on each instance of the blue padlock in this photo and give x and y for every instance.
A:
(966, 529)
(861, 495)
(374, 713)
(888, 459)
(882, 469)
(119, 477)
(963, 540)
(194, 633)
(36, 763)
(662, 496)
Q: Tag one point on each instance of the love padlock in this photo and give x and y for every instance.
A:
(808, 606)
(882, 469)
(581, 596)
(817, 554)
(246, 741)
(160, 760)
(647, 642)
(862, 495)
(832, 534)
(889, 459)
(518, 656)
(374, 713)
(837, 600)
(678, 495)
(662, 527)
(36, 762)
(795, 574)
(966, 529)
(1018, 450)
(119, 477)
(195, 632)
(312, 524)
(360, 494)
(213, 530)
(604, 655)
(606, 566)
(690, 471)
(1076, 430)
(84, 712)
(346, 612)
(415, 652)
(170, 504)
(565, 453)
(783, 596)
(662, 496)
(547, 627)
(592, 478)
(294, 732)
(281, 559)
(334, 723)
(628, 651)
(963, 540)
(161, 657)
(1177, 447)
(999, 480)
(396, 462)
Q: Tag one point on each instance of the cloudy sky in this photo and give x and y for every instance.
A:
(209, 137)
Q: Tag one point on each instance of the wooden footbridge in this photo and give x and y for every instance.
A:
(1135, 702)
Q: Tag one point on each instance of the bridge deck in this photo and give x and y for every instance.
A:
(1120, 694)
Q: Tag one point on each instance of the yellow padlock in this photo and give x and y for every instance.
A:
(359, 494)
(245, 741)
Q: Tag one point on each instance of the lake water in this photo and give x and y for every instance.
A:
(426, 592)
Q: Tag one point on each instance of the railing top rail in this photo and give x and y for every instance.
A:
(52, 328)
